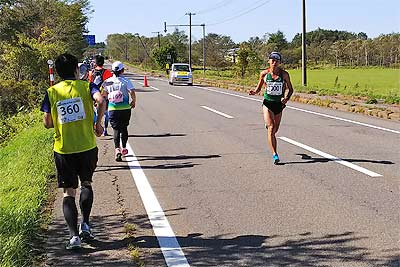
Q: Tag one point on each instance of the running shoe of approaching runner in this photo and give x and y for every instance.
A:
(73, 243)
(124, 151)
(85, 232)
(275, 158)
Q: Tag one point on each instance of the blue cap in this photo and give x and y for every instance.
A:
(276, 56)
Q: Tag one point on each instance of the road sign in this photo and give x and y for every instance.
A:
(91, 39)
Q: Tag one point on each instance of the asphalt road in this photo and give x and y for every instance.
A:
(204, 153)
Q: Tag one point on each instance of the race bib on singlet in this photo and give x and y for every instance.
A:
(116, 97)
(274, 88)
(70, 110)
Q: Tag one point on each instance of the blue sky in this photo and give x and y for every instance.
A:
(243, 19)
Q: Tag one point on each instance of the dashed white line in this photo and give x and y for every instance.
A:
(169, 245)
(328, 156)
(307, 111)
(155, 88)
(179, 97)
(218, 112)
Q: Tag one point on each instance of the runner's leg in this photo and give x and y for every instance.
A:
(70, 211)
(270, 122)
(86, 200)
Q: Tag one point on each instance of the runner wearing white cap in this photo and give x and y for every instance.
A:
(278, 90)
(118, 89)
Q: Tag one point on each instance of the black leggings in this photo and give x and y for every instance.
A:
(120, 134)
(119, 120)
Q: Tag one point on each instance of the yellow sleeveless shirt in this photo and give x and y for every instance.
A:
(72, 113)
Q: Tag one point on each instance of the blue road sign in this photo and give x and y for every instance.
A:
(91, 39)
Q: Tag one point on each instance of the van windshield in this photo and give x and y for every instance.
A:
(181, 68)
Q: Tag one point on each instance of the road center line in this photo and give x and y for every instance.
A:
(333, 158)
(304, 110)
(218, 112)
(149, 86)
(169, 245)
(179, 97)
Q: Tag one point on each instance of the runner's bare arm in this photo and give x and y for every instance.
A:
(260, 83)
(48, 121)
(101, 107)
(289, 87)
(133, 96)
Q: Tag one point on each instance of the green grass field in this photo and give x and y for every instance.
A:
(371, 83)
(26, 163)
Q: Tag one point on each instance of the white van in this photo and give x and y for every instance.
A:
(180, 73)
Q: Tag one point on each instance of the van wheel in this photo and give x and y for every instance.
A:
(190, 84)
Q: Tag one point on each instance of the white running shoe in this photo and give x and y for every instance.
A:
(73, 243)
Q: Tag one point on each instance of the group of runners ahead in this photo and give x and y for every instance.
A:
(68, 108)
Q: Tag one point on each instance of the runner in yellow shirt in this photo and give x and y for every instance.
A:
(68, 108)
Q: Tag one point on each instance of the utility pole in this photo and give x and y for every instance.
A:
(126, 48)
(190, 37)
(303, 47)
(190, 48)
(159, 42)
(204, 48)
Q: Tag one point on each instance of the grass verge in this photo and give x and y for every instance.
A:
(26, 165)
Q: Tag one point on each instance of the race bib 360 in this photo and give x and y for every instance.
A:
(70, 110)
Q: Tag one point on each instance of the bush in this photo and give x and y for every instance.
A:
(18, 96)
(9, 126)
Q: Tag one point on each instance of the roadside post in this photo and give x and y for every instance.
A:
(51, 71)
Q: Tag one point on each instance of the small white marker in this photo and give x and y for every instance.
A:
(179, 97)
(218, 112)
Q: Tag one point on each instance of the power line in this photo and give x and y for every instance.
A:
(241, 14)
(216, 6)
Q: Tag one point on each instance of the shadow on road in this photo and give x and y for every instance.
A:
(156, 135)
(127, 158)
(105, 250)
(308, 159)
(304, 249)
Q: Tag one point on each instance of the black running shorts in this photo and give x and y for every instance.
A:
(119, 118)
(71, 167)
(275, 106)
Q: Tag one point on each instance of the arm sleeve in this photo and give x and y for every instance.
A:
(46, 104)
(94, 88)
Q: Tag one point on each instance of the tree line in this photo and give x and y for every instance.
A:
(31, 32)
(325, 48)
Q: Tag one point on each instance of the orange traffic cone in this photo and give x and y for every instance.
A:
(145, 84)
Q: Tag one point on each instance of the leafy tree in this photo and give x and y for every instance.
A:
(243, 59)
(217, 49)
(161, 55)
(278, 40)
(180, 41)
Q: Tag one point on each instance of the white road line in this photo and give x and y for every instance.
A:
(149, 86)
(346, 120)
(226, 93)
(169, 245)
(218, 112)
(328, 156)
(304, 110)
(179, 97)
